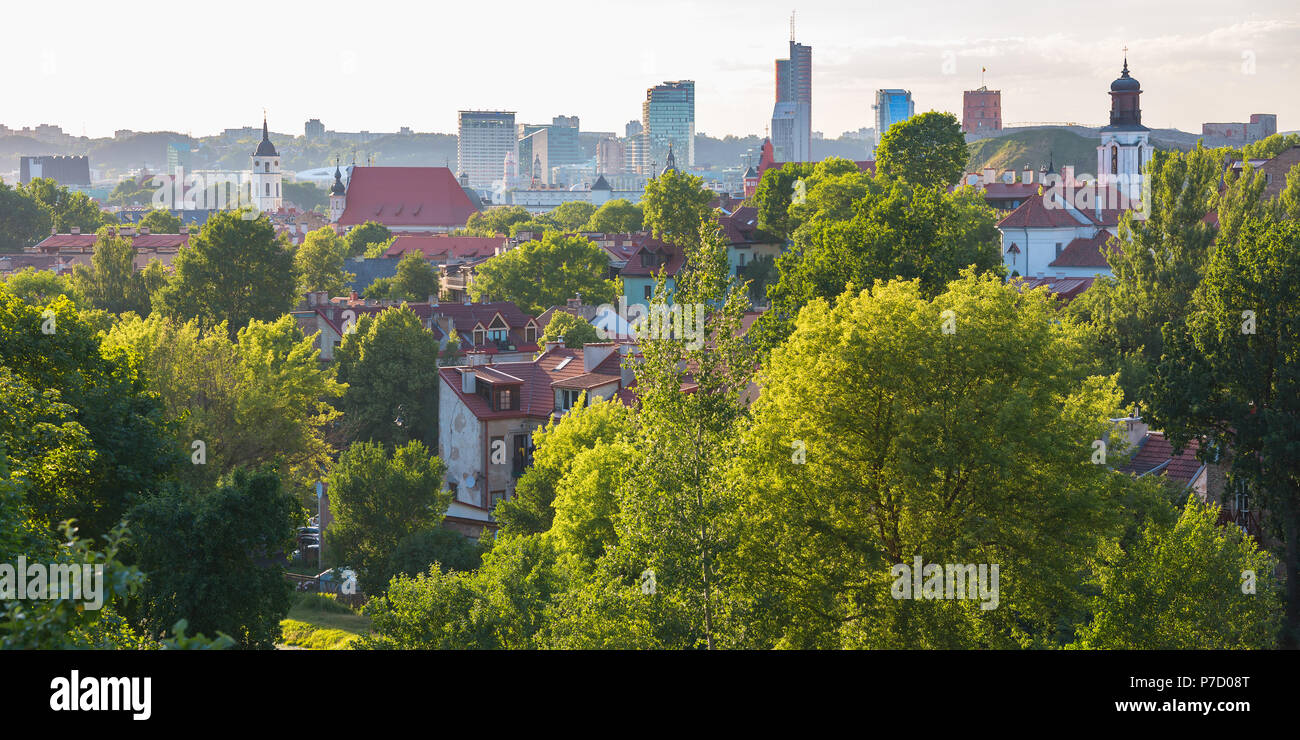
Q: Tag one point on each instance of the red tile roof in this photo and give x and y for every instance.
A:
(86, 241)
(1155, 451)
(1085, 252)
(539, 379)
(675, 257)
(741, 227)
(406, 196)
(443, 248)
(1034, 214)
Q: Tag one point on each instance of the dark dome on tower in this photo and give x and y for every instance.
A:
(265, 148)
(1124, 83)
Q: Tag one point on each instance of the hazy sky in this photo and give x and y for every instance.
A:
(378, 65)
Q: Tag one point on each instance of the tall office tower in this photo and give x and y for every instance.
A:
(555, 143)
(891, 107)
(668, 115)
(792, 114)
(485, 138)
(632, 128)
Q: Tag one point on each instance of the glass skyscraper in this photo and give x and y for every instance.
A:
(485, 138)
(668, 116)
(891, 107)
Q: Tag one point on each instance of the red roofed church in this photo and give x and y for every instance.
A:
(405, 199)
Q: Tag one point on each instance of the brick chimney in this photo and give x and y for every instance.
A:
(556, 343)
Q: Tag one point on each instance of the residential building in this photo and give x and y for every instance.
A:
(981, 111)
(485, 138)
(488, 412)
(668, 120)
(792, 113)
(892, 106)
(611, 156)
(1275, 170)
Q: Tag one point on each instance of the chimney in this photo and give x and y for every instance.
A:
(466, 380)
(557, 343)
(76, 229)
(1027, 177)
(185, 229)
(574, 302)
(595, 353)
(1067, 175)
(988, 176)
(144, 230)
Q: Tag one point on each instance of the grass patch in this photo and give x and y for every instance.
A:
(318, 622)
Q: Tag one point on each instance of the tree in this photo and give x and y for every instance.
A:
(617, 216)
(450, 550)
(928, 150)
(958, 429)
(496, 221)
(307, 196)
(67, 208)
(776, 191)
(22, 220)
(535, 225)
(111, 282)
(572, 215)
(450, 354)
(1228, 375)
(389, 364)
(261, 400)
(40, 287)
(82, 427)
(362, 237)
(1191, 586)
(896, 230)
(160, 221)
(543, 273)
(319, 262)
(234, 270)
(416, 280)
(674, 205)
(213, 557)
(378, 500)
(575, 330)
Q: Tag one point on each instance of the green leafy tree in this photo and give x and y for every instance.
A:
(39, 287)
(67, 208)
(259, 400)
(213, 557)
(575, 330)
(776, 191)
(674, 205)
(111, 282)
(496, 221)
(161, 221)
(1228, 373)
(360, 238)
(617, 216)
(539, 274)
(536, 225)
(1194, 585)
(378, 500)
(929, 234)
(450, 353)
(389, 364)
(416, 280)
(307, 196)
(928, 150)
(958, 429)
(23, 221)
(319, 262)
(450, 550)
(572, 215)
(234, 270)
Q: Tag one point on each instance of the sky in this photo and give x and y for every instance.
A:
(377, 65)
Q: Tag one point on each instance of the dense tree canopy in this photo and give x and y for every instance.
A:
(617, 216)
(575, 330)
(390, 365)
(547, 272)
(926, 150)
(674, 204)
(320, 261)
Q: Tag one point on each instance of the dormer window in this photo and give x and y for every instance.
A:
(480, 337)
(530, 334)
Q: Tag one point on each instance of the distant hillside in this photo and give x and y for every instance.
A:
(1037, 147)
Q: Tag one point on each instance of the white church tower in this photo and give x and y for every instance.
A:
(1125, 148)
(264, 185)
(338, 195)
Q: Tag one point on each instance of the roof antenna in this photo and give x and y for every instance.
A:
(792, 26)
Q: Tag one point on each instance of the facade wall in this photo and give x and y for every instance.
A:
(460, 445)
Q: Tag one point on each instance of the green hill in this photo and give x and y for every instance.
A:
(1034, 148)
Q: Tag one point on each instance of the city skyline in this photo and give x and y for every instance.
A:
(354, 77)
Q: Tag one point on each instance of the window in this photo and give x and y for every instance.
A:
(530, 334)
(267, 167)
(566, 398)
(649, 292)
(1059, 248)
(480, 337)
(742, 259)
(1114, 159)
(268, 188)
(497, 497)
(505, 400)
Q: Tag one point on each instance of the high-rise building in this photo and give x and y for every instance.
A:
(891, 107)
(313, 129)
(611, 156)
(792, 114)
(981, 111)
(556, 144)
(632, 129)
(668, 116)
(484, 140)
